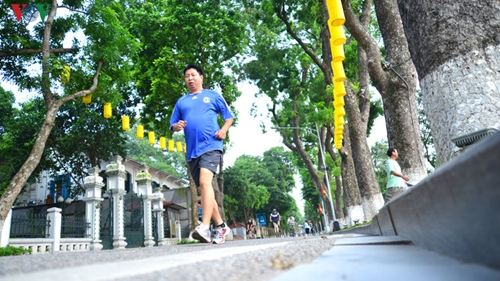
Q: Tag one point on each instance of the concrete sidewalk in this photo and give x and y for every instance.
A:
(352, 257)
(386, 258)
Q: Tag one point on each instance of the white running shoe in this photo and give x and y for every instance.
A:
(220, 234)
(202, 233)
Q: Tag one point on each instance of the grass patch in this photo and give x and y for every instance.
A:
(356, 225)
(13, 251)
(182, 242)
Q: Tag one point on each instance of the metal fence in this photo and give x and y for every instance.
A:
(74, 227)
(29, 225)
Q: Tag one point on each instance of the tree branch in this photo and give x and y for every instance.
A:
(366, 41)
(35, 51)
(88, 91)
(313, 56)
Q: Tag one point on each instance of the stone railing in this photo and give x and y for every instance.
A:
(37, 245)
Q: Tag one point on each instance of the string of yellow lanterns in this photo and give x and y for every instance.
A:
(151, 137)
(107, 113)
(337, 39)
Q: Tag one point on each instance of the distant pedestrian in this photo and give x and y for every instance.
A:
(307, 227)
(396, 181)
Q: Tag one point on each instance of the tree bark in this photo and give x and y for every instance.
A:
(456, 50)
(34, 51)
(371, 196)
(352, 196)
(396, 83)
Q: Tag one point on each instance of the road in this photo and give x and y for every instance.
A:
(256, 259)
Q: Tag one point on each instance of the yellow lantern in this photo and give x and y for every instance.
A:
(339, 122)
(339, 112)
(170, 145)
(338, 90)
(140, 132)
(125, 123)
(337, 35)
(87, 99)
(338, 71)
(337, 52)
(335, 12)
(179, 146)
(185, 150)
(151, 138)
(65, 74)
(163, 143)
(107, 110)
(338, 102)
(338, 145)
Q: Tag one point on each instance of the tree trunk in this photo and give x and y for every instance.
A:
(194, 199)
(347, 176)
(371, 196)
(398, 92)
(352, 196)
(339, 212)
(396, 83)
(219, 190)
(53, 105)
(456, 50)
(19, 180)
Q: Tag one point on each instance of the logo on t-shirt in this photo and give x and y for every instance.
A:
(206, 99)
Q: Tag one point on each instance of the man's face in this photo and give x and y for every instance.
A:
(194, 80)
(395, 153)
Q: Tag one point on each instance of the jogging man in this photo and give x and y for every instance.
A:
(196, 113)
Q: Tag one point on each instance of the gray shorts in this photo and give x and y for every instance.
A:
(208, 160)
(393, 192)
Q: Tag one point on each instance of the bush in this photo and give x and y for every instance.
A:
(14, 251)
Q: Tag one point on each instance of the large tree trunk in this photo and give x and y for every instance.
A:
(352, 196)
(357, 112)
(398, 91)
(395, 82)
(456, 50)
(347, 176)
(371, 196)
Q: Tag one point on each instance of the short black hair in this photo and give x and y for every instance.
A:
(390, 151)
(197, 68)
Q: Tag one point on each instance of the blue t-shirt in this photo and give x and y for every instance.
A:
(200, 111)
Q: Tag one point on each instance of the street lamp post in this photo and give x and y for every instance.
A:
(326, 174)
(321, 166)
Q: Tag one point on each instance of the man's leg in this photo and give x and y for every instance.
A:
(208, 203)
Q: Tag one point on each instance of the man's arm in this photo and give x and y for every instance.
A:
(222, 133)
(179, 126)
(400, 175)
